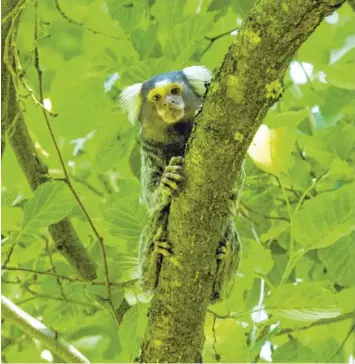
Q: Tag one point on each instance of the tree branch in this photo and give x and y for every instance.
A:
(70, 279)
(37, 330)
(249, 81)
(36, 172)
(80, 24)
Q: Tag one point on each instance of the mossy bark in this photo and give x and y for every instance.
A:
(249, 81)
(36, 172)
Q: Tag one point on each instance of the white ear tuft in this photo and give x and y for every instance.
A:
(197, 77)
(130, 101)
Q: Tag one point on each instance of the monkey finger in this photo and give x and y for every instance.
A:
(169, 184)
(163, 252)
(176, 161)
(173, 176)
(158, 235)
(163, 244)
(223, 250)
(173, 169)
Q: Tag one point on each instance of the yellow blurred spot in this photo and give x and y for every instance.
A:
(271, 149)
(47, 103)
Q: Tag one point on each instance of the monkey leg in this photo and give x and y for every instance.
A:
(172, 178)
(228, 256)
(153, 247)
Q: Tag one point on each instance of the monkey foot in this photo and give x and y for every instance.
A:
(161, 246)
(224, 249)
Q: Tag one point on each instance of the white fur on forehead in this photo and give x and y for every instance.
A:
(197, 77)
(162, 83)
(131, 101)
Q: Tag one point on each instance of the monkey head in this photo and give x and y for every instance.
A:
(166, 99)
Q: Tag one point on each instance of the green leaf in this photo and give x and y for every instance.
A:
(341, 170)
(293, 352)
(301, 303)
(168, 13)
(78, 96)
(325, 219)
(255, 259)
(275, 231)
(181, 45)
(227, 340)
(143, 70)
(341, 74)
(113, 149)
(146, 42)
(50, 203)
(129, 15)
(289, 119)
(131, 330)
(329, 143)
(124, 214)
(339, 259)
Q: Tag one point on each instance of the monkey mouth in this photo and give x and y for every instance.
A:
(172, 115)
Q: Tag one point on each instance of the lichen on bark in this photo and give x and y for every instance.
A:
(248, 82)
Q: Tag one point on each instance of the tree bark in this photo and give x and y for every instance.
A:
(36, 172)
(249, 81)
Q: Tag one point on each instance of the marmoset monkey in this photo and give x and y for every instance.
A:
(165, 106)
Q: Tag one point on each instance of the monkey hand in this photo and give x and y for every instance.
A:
(171, 179)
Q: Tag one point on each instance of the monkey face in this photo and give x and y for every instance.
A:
(168, 101)
(168, 98)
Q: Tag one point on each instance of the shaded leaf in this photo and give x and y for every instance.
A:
(339, 259)
(50, 203)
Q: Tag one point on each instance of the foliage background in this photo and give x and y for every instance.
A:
(299, 191)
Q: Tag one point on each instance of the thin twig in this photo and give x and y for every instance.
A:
(352, 328)
(216, 354)
(15, 11)
(69, 279)
(88, 186)
(307, 77)
(265, 216)
(68, 181)
(323, 322)
(54, 298)
(80, 24)
(213, 39)
(9, 254)
(61, 289)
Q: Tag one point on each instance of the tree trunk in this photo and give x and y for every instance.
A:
(249, 81)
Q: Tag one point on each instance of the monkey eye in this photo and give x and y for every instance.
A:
(175, 90)
(156, 97)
